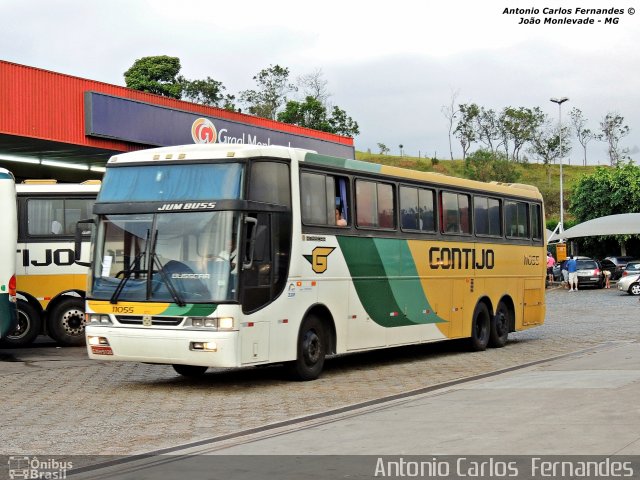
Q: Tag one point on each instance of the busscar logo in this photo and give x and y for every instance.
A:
(204, 131)
(318, 258)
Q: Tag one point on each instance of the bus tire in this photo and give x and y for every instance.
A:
(311, 350)
(500, 326)
(28, 328)
(66, 322)
(480, 328)
(191, 371)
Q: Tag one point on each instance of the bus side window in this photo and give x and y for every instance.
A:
(455, 213)
(374, 204)
(324, 199)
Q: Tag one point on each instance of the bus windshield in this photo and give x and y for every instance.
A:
(148, 183)
(166, 257)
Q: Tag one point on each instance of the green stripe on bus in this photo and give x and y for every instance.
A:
(191, 309)
(342, 163)
(405, 283)
(394, 302)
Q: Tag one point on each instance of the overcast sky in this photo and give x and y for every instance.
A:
(390, 65)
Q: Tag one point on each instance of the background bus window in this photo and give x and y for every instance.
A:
(455, 213)
(374, 203)
(417, 209)
(516, 221)
(487, 216)
(56, 216)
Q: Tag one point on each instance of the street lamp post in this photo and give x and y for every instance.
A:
(560, 101)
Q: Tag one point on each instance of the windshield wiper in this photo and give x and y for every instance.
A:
(155, 260)
(129, 270)
(127, 275)
(167, 281)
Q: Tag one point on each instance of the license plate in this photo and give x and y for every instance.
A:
(99, 350)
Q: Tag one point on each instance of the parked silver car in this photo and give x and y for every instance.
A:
(630, 284)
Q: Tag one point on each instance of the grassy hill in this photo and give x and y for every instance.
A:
(547, 181)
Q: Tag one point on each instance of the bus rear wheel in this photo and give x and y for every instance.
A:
(66, 322)
(28, 328)
(500, 326)
(311, 351)
(480, 328)
(191, 371)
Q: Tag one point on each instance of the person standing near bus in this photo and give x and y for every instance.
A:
(550, 263)
(572, 268)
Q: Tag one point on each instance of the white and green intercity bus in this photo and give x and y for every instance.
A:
(8, 245)
(238, 255)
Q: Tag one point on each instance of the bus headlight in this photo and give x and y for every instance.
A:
(97, 318)
(218, 323)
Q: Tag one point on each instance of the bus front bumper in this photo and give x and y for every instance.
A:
(186, 347)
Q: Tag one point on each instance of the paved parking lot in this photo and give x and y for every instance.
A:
(57, 402)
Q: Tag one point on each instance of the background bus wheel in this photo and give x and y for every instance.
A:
(312, 348)
(480, 328)
(191, 371)
(66, 322)
(500, 327)
(28, 328)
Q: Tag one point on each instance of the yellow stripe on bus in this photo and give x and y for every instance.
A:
(127, 308)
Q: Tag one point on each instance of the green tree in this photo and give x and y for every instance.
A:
(311, 113)
(159, 75)
(613, 131)
(384, 150)
(517, 127)
(607, 191)
(485, 166)
(207, 92)
(465, 130)
(488, 129)
(545, 145)
(343, 124)
(273, 88)
(584, 135)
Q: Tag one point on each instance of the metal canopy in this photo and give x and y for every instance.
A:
(622, 224)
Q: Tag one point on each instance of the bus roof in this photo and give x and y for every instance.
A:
(57, 188)
(431, 177)
(226, 151)
(205, 151)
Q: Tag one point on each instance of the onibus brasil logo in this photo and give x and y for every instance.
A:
(204, 131)
(23, 467)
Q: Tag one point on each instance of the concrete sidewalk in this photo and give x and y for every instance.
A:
(582, 404)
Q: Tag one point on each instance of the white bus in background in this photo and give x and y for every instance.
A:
(50, 285)
(8, 239)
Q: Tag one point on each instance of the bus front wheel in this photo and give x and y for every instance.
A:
(500, 326)
(311, 350)
(66, 322)
(28, 328)
(480, 328)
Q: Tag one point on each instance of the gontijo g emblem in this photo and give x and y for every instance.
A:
(203, 131)
(318, 258)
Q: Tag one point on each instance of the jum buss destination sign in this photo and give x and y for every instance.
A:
(128, 120)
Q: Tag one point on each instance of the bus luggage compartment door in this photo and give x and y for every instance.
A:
(254, 343)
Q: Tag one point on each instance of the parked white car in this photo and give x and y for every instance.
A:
(630, 284)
